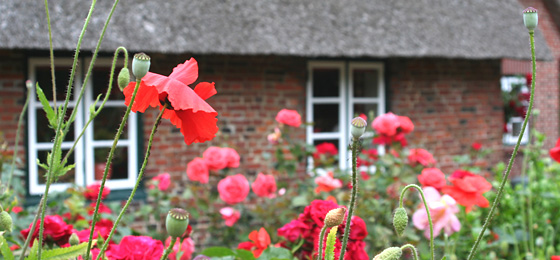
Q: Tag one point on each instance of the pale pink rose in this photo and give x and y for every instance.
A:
(281, 191)
(442, 210)
(420, 156)
(386, 124)
(215, 158)
(163, 181)
(289, 117)
(264, 186)
(230, 215)
(274, 138)
(327, 183)
(231, 156)
(233, 189)
(187, 248)
(197, 170)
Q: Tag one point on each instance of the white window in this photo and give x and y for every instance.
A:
(515, 95)
(338, 91)
(91, 152)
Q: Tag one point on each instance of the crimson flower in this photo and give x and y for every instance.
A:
(467, 189)
(260, 240)
(92, 191)
(555, 151)
(137, 248)
(476, 146)
(56, 230)
(187, 108)
(555, 257)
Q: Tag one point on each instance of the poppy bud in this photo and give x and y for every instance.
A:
(400, 220)
(177, 222)
(334, 217)
(140, 65)
(530, 18)
(358, 127)
(124, 78)
(391, 253)
(5, 221)
(74, 239)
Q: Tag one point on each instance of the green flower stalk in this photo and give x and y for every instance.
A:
(413, 249)
(530, 19)
(432, 253)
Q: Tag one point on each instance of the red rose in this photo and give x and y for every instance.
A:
(467, 189)
(233, 189)
(264, 186)
(138, 248)
(197, 170)
(231, 156)
(215, 158)
(433, 177)
(356, 250)
(555, 151)
(476, 146)
(405, 124)
(293, 230)
(289, 117)
(102, 208)
(319, 209)
(92, 191)
(325, 149)
(102, 227)
(386, 124)
(55, 230)
(421, 156)
(358, 230)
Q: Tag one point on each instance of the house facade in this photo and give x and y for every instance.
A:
(439, 64)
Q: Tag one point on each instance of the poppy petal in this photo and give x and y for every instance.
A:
(186, 73)
(146, 96)
(197, 127)
(205, 90)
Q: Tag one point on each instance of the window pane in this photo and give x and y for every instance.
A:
(325, 118)
(326, 82)
(101, 83)
(69, 177)
(105, 125)
(370, 110)
(43, 77)
(46, 134)
(365, 82)
(119, 166)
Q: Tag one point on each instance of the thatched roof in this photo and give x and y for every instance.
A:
(474, 29)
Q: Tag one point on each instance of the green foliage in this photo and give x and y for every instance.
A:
(331, 240)
(60, 253)
(5, 249)
(51, 115)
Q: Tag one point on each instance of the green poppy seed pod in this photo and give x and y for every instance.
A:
(74, 239)
(124, 78)
(140, 65)
(400, 220)
(334, 217)
(6, 222)
(177, 222)
(391, 253)
(530, 18)
(358, 127)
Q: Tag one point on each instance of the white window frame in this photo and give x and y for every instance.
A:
(509, 138)
(83, 153)
(345, 101)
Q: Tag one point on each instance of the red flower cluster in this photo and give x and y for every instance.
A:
(136, 248)
(325, 149)
(370, 156)
(56, 230)
(188, 109)
(102, 228)
(264, 186)
(467, 189)
(432, 177)
(391, 128)
(308, 226)
(420, 156)
(260, 240)
(215, 159)
(92, 191)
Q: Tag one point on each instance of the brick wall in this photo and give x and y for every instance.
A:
(452, 103)
(12, 97)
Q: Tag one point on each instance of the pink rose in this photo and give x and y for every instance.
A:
(289, 117)
(405, 124)
(230, 215)
(187, 248)
(197, 170)
(215, 158)
(386, 124)
(432, 177)
(327, 183)
(163, 181)
(233, 189)
(421, 156)
(231, 156)
(264, 186)
(138, 248)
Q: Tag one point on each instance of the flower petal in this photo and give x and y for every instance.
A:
(205, 90)
(146, 96)
(197, 127)
(186, 73)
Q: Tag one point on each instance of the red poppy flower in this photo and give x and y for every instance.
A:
(188, 109)
(467, 189)
(555, 151)
(260, 240)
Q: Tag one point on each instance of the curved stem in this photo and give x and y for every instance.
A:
(138, 179)
(321, 238)
(16, 145)
(29, 236)
(169, 248)
(427, 212)
(413, 249)
(107, 165)
(514, 154)
(352, 198)
(51, 54)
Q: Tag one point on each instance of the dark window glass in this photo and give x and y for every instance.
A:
(326, 82)
(365, 82)
(119, 166)
(325, 118)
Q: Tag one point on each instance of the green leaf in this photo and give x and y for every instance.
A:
(5, 249)
(33, 251)
(217, 251)
(244, 254)
(275, 253)
(51, 116)
(331, 240)
(65, 253)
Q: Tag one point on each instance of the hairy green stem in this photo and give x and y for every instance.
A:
(530, 211)
(413, 249)
(138, 179)
(514, 154)
(427, 212)
(352, 198)
(30, 235)
(321, 238)
(525, 224)
(16, 145)
(169, 249)
(108, 164)
(51, 54)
